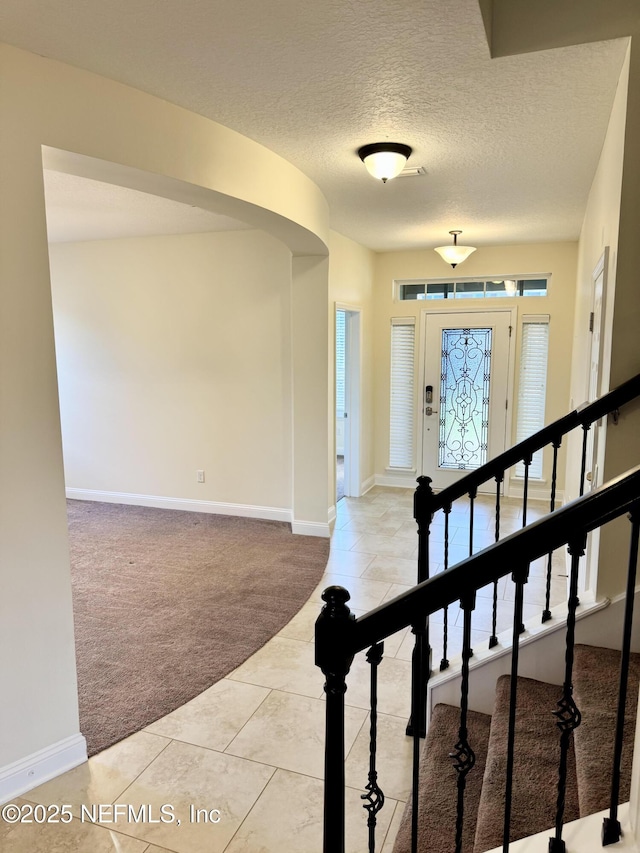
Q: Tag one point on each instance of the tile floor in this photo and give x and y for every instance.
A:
(252, 745)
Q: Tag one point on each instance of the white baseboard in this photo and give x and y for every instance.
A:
(41, 766)
(408, 481)
(303, 528)
(217, 508)
(311, 528)
(331, 514)
(400, 481)
(542, 648)
(535, 493)
(584, 834)
(368, 484)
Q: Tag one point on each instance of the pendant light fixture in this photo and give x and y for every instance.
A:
(454, 254)
(384, 160)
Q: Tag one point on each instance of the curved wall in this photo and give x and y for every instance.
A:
(45, 103)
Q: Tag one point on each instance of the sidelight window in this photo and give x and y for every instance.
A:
(532, 385)
(402, 407)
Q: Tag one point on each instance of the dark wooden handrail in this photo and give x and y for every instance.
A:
(562, 527)
(340, 636)
(554, 432)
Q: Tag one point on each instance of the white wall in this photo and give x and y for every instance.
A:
(623, 440)
(559, 259)
(174, 354)
(519, 26)
(613, 216)
(599, 229)
(351, 277)
(311, 408)
(43, 102)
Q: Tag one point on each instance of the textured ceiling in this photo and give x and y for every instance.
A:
(509, 145)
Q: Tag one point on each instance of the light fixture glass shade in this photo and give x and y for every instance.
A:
(384, 164)
(454, 254)
(510, 287)
(384, 160)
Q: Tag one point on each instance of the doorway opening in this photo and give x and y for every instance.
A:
(347, 401)
(596, 436)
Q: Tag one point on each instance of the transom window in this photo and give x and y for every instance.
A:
(473, 289)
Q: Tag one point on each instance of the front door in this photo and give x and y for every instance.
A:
(465, 398)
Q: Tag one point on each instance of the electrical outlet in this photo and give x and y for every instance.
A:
(200, 476)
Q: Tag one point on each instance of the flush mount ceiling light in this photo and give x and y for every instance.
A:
(384, 160)
(454, 254)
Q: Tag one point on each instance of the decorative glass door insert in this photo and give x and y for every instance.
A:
(464, 398)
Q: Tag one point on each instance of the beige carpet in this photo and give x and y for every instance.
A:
(537, 752)
(439, 801)
(535, 779)
(596, 683)
(167, 602)
(535, 772)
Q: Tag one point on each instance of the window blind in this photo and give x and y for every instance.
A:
(340, 363)
(532, 385)
(402, 413)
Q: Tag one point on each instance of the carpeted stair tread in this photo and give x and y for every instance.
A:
(438, 792)
(537, 754)
(596, 675)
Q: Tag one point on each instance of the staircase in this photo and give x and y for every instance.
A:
(596, 674)
(513, 773)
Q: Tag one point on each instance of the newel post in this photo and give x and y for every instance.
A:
(421, 669)
(333, 629)
(423, 514)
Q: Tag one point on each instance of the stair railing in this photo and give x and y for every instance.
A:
(427, 503)
(340, 636)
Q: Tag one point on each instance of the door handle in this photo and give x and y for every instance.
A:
(429, 411)
(589, 476)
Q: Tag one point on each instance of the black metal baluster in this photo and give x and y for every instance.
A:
(493, 639)
(546, 613)
(583, 464)
(611, 830)
(374, 796)
(464, 757)
(525, 497)
(423, 514)
(444, 663)
(332, 631)
(413, 730)
(472, 496)
(525, 494)
(568, 714)
(473, 493)
(519, 577)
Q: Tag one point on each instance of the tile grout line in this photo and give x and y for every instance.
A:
(255, 802)
(246, 723)
(144, 769)
(389, 516)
